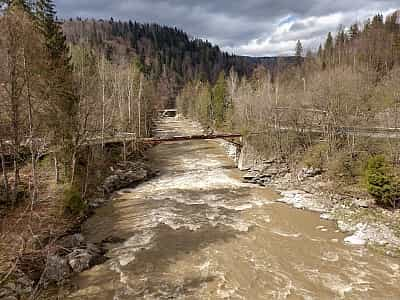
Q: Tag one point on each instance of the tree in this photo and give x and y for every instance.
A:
(299, 52)
(218, 99)
(58, 88)
(15, 35)
(354, 31)
(328, 49)
(381, 183)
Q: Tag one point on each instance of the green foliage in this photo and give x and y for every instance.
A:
(218, 99)
(381, 183)
(316, 155)
(299, 50)
(346, 167)
(73, 202)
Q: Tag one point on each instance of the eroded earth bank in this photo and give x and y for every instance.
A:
(198, 232)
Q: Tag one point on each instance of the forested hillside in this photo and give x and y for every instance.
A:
(167, 55)
(350, 84)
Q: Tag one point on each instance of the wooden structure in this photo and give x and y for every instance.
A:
(159, 140)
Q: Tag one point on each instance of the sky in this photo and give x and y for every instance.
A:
(245, 27)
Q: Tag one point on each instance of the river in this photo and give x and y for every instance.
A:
(197, 232)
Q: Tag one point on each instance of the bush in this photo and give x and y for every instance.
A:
(316, 155)
(381, 183)
(73, 202)
(346, 166)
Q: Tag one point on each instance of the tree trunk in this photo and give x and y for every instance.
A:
(57, 173)
(31, 135)
(139, 106)
(3, 167)
(73, 167)
(103, 92)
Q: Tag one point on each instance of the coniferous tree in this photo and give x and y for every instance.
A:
(58, 88)
(218, 99)
(328, 49)
(299, 52)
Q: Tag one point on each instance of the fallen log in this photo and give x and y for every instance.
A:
(159, 140)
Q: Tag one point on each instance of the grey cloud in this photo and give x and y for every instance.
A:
(236, 25)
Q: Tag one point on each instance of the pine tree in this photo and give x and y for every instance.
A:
(58, 88)
(320, 52)
(354, 31)
(328, 49)
(299, 49)
(299, 52)
(219, 97)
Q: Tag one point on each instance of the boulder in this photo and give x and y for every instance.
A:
(128, 174)
(364, 203)
(71, 241)
(95, 203)
(79, 260)
(308, 173)
(57, 269)
(83, 258)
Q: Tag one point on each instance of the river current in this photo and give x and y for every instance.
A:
(198, 232)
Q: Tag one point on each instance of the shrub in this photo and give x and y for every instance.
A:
(381, 183)
(73, 202)
(347, 166)
(316, 155)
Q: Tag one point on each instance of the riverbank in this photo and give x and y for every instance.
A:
(353, 210)
(42, 246)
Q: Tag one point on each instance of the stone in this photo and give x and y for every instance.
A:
(122, 178)
(57, 269)
(24, 285)
(250, 175)
(270, 172)
(364, 203)
(95, 203)
(72, 241)
(308, 173)
(79, 260)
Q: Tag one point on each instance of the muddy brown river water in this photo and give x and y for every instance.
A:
(198, 232)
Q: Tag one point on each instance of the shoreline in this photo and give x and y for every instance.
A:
(47, 271)
(364, 223)
(359, 217)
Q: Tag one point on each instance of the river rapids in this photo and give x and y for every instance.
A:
(198, 232)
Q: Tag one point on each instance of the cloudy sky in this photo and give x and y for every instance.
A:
(247, 27)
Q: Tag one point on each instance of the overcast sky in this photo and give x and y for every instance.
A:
(246, 27)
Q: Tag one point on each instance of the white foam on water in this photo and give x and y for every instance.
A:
(225, 291)
(336, 284)
(394, 267)
(355, 239)
(125, 253)
(301, 200)
(330, 256)
(286, 234)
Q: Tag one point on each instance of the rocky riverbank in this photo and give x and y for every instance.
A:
(310, 188)
(71, 253)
